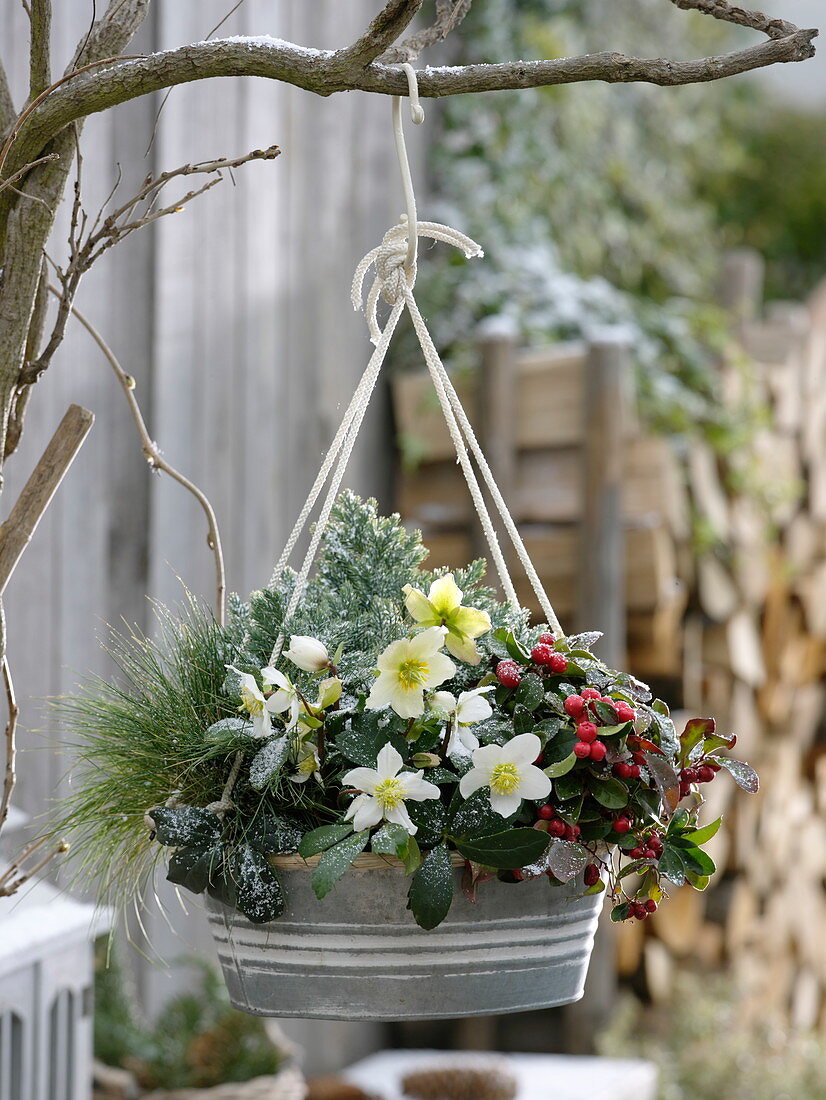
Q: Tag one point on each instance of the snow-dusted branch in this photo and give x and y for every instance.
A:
(449, 14)
(327, 72)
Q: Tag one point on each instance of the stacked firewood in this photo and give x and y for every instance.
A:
(725, 590)
(754, 643)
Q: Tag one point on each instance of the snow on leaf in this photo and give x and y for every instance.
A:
(267, 762)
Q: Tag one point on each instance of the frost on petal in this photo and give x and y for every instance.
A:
(418, 605)
(522, 749)
(535, 784)
(399, 816)
(505, 804)
(388, 763)
(445, 595)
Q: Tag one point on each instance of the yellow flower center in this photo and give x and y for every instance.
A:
(390, 794)
(412, 674)
(504, 779)
(250, 703)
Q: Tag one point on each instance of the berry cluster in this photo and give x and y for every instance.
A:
(703, 772)
(553, 825)
(543, 655)
(642, 909)
(649, 847)
(582, 708)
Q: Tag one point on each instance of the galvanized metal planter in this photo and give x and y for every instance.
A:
(357, 954)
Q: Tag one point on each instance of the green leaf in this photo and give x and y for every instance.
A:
(561, 767)
(410, 855)
(180, 826)
(388, 839)
(515, 649)
(699, 882)
(586, 640)
(325, 837)
(272, 835)
(606, 712)
(366, 737)
(548, 728)
(612, 731)
(192, 867)
(621, 912)
(698, 861)
(530, 692)
(523, 720)
(431, 891)
(506, 851)
(335, 861)
(703, 835)
(429, 817)
(568, 785)
(610, 793)
(439, 775)
(258, 893)
(475, 817)
(494, 732)
(597, 888)
(743, 774)
(672, 865)
(561, 746)
(661, 708)
(267, 763)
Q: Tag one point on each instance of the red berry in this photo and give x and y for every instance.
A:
(705, 774)
(590, 693)
(638, 910)
(622, 824)
(557, 663)
(509, 674)
(546, 812)
(518, 876)
(591, 874)
(622, 770)
(598, 750)
(685, 789)
(655, 843)
(714, 767)
(574, 706)
(557, 828)
(625, 713)
(649, 853)
(582, 750)
(633, 771)
(547, 638)
(587, 731)
(541, 654)
(651, 905)
(572, 832)
(638, 852)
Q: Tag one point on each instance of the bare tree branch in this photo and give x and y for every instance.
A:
(118, 225)
(325, 73)
(158, 462)
(380, 35)
(449, 14)
(720, 9)
(40, 67)
(17, 413)
(17, 874)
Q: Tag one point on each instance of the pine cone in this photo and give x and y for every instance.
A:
(460, 1083)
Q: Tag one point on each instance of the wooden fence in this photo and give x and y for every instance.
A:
(234, 317)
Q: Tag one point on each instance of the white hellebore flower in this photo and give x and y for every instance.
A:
(470, 707)
(307, 653)
(254, 703)
(407, 668)
(442, 606)
(385, 789)
(284, 700)
(510, 773)
(307, 763)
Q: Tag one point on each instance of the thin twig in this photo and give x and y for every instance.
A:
(449, 14)
(11, 180)
(103, 235)
(158, 462)
(381, 34)
(10, 775)
(9, 884)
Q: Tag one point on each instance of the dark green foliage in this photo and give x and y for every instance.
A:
(431, 889)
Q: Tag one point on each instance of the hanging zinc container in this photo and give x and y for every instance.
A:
(358, 955)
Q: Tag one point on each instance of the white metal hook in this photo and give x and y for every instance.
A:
(417, 115)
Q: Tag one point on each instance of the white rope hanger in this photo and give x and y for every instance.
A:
(394, 261)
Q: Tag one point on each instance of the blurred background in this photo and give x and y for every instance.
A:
(678, 234)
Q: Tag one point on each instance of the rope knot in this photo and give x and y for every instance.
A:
(391, 263)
